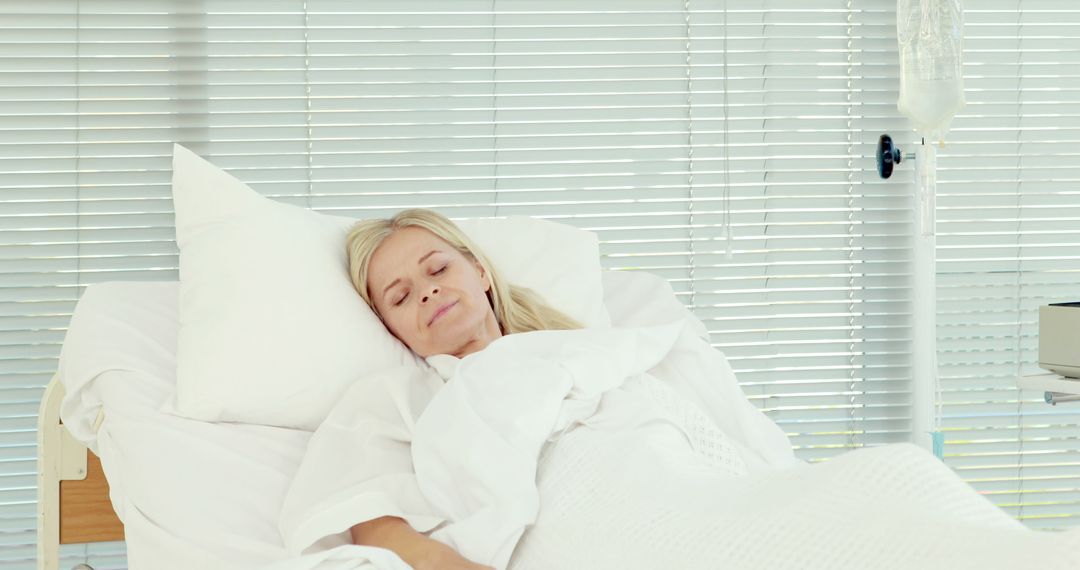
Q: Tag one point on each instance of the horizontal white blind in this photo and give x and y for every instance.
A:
(589, 118)
(589, 113)
(813, 308)
(1008, 242)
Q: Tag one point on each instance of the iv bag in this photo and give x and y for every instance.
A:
(931, 66)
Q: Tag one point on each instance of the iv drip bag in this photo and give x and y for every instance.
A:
(931, 65)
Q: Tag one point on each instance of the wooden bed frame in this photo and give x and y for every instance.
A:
(73, 495)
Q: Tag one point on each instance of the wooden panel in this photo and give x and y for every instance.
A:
(86, 515)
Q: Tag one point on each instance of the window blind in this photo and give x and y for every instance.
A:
(1008, 242)
(603, 120)
(814, 307)
(595, 115)
(759, 137)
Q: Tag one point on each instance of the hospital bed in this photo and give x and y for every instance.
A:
(189, 494)
(73, 494)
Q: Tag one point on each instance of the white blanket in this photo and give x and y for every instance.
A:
(585, 449)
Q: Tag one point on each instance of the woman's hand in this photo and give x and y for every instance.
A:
(438, 556)
(417, 550)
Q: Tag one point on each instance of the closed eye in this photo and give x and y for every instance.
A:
(402, 299)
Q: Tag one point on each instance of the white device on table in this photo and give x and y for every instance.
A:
(1059, 338)
(1059, 348)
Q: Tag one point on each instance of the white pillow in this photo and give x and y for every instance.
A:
(271, 330)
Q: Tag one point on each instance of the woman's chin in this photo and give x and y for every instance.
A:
(450, 334)
(453, 331)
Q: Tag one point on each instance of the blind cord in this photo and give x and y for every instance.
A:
(728, 233)
(852, 400)
(495, 105)
(307, 100)
(690, 152)
(78, 148)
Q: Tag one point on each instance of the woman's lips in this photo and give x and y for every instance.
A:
(441, 312)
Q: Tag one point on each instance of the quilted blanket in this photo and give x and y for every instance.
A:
(625, 448)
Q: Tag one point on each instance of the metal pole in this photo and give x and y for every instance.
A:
(924, 303)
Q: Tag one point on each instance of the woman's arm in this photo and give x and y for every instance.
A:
(417, 550)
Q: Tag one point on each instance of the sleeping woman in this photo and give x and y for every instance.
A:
(625, 447)
(438, 294)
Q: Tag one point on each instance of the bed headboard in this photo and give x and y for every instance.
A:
(73, 495)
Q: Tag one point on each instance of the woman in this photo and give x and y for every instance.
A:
(589, 441)
(438, 294)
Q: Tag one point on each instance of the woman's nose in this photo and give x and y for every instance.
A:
(428, 296)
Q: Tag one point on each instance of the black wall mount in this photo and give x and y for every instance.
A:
(888, 155)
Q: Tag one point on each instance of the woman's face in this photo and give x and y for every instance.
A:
(430, 296)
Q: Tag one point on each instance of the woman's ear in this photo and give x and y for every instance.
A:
(483, 275)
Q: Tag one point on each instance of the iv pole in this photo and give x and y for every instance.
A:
(929, 33)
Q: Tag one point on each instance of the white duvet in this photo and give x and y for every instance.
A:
(583, 450)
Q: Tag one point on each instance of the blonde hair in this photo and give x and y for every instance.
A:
(517, 309)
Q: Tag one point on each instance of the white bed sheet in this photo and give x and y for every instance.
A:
(191, 494)
(207, 495)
